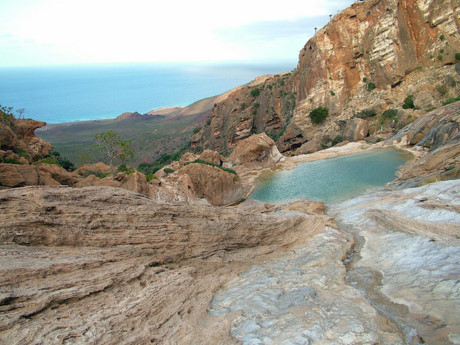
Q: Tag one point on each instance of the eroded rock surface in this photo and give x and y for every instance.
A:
(102, 265)
(408, 265)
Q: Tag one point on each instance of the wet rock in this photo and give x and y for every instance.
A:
(411, 240)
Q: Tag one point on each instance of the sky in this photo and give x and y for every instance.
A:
(52, 32)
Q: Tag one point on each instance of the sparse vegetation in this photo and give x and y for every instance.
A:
(442, 37)
(255, 92)
(318, 115)
(332, 93)
(409, 102)
(370, 86)
(99, 174)
(390, 113)
(452, 100)
(150, 177)
(9, 161)
(200, 161)
(124, 168)
(165, 159)
(336, 140)
(442, 89)
(440, 57)
(112, 147)
(366, 113)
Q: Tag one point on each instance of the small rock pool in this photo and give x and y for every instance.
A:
(331, 180)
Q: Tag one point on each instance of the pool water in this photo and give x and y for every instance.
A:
(331, 180)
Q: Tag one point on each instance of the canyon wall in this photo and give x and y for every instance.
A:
(370, 56)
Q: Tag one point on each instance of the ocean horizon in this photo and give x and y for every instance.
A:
(68, 93)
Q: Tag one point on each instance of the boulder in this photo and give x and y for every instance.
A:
(135, 182)
(18, 175)
(188, 157)
(7, 137)
(424, 100)
(214, 184)
(98, 167)
(357, 129)
(59, 174)
(212, 157)
(310, 146)
(257, 151)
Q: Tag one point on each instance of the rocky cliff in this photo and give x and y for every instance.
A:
(371, 56)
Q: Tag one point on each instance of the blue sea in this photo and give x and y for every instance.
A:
(88, 92)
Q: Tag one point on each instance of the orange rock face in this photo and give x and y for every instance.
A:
(381, 44)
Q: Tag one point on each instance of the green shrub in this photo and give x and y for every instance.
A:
(318, 115)
(364, 114)
(47, 160)
(9, 161)
(365, 79)
(370, 86)
(150, 176)
(442, 37)
(409, 102)
(124, 168)
(442, 89)
(62, 161)
(442, 51)
(390, 113)
(457, 56)
(336, 140)
(440, 57)
(168, 170)
(255, 92)
(332, 93)
(196, 130)
(200, 161)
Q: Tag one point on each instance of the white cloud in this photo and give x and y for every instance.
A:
(146, 30)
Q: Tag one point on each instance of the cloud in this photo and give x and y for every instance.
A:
(273, 30)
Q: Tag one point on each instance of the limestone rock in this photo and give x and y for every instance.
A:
(98, 167)
(424, 100)
(433, 129)
(357, 129)
(188, 157)
(212, 157)
(59, 174)
(257, 151)
(7, 137)
(216, 185)
(103, 265)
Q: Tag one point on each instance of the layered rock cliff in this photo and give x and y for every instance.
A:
(370, 56)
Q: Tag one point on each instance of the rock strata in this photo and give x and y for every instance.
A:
(102, 265)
